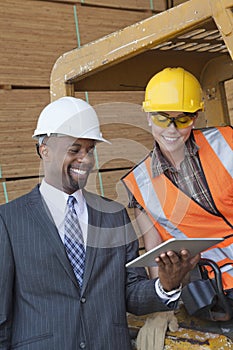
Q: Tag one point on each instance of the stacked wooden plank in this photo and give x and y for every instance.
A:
(156, 5)
(34, 34)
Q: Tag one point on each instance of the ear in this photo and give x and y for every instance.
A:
(148, 119)
(194, 121)
(44, 152)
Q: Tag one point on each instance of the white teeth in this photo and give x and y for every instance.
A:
(78, 171)
(171, 138)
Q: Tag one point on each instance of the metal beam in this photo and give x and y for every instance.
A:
(137, 38)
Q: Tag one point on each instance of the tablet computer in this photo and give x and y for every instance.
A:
(194, 245)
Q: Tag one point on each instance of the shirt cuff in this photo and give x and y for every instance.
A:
(167, 297)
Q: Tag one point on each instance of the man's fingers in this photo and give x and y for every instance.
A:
(186, 257)
(172, 258)
(167, 258)
(195, 260)
(185, 254)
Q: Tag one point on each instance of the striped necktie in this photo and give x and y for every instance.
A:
(73, 241)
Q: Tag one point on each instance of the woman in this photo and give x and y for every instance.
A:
(184, 187)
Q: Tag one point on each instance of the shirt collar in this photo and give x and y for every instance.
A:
(159, 164)
(58, 198)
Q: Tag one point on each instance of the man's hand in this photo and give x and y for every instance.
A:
(174, 267)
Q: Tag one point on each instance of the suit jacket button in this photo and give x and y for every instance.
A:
(83, 300)
(82, 345)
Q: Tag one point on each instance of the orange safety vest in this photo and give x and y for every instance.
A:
(175, 214)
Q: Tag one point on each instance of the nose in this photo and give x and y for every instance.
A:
(172, 124)
(82, 154)
(85, 156)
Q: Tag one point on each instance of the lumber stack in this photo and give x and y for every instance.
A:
(34, 33)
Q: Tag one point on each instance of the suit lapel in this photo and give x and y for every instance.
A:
(94, 230)
(41, 214)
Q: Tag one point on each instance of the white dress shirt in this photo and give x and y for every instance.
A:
(56, 201)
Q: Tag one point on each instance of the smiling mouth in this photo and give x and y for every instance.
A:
(78, 171)
(171, 139)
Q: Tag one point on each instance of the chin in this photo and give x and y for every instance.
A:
(78, 186)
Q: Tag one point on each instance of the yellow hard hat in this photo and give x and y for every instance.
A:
(173, 89)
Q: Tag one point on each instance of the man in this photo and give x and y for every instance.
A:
(67, 290)
(186, 188)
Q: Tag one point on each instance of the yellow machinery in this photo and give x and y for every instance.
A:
(196, 35)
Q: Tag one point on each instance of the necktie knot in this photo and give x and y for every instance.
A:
(71, 202)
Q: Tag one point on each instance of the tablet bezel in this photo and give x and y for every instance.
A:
(194, 245)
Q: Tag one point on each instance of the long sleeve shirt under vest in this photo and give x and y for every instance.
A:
(189, 178)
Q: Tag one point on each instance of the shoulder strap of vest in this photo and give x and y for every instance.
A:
(216, 145)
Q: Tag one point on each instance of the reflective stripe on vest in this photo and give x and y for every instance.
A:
(175, 214)
(219, 254)
(224, 153)
(150, 196)
(216, 152)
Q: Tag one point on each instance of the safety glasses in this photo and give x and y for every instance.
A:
(163, 119)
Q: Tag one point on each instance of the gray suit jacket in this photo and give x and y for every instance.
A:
(41, 304)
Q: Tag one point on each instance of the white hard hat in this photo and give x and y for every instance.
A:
(69, 116)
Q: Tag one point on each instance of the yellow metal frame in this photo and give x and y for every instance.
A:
(87, 61)
(137, 38)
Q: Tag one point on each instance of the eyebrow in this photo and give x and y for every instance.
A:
(80, 145)
(168, 115)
